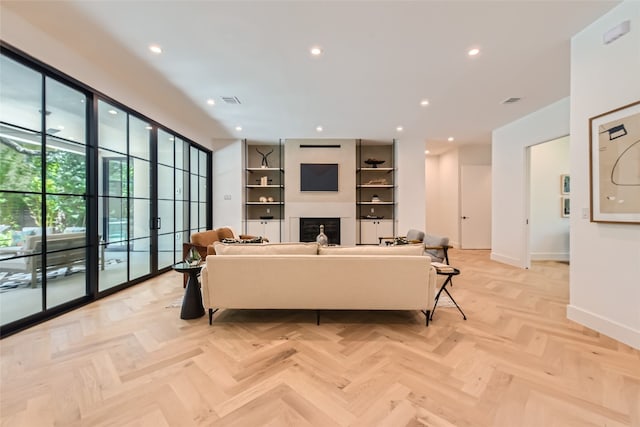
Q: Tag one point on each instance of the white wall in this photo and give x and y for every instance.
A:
(442, 176)
(410, 192)
(605, 258)
(508, 228)
(449, 184)
(549, 230)
(432, 193)
(300, 204)
(228, 187)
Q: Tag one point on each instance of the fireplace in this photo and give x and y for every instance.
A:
(310, 228)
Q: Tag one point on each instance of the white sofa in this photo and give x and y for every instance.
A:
(305, 276)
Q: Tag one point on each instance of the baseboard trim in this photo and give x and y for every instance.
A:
(549, 256)
(615, 330)
(506, 260)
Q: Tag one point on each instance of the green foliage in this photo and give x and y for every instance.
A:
(65, 172)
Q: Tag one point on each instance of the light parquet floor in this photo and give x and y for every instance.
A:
(129, 360)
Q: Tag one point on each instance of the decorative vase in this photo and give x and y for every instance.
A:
(193, 256)
(322, 238)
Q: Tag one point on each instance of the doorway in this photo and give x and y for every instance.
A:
(475, 207)
(549, 194)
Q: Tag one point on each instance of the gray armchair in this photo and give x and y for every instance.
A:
(435, 246)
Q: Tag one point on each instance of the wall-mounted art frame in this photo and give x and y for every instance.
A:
(614, 167)
(565, 184)
(565, 207)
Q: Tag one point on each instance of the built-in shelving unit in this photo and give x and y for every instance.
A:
(264, 189)
(375, 190)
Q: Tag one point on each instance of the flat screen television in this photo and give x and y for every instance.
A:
(318, 177)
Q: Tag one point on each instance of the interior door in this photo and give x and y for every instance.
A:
(475, 207)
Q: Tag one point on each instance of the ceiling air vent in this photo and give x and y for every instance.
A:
(511, 100)
(231, 100)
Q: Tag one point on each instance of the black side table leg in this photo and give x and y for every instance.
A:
(454, 301)
(435, 304)
(192, 307)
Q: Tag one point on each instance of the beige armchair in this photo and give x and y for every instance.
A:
(203, 241)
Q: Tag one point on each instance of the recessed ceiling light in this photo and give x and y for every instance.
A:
(473, 52)
(114, 112)
(424, 102)
(399, 128)
(426, 151)
(319, 128)
(316, 51)
(155, 49)
(450, 139)
(238, 128)
(211, 101)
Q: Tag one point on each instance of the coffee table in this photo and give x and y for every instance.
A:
(192, 307)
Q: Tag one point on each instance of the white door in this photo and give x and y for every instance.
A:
(475, 207)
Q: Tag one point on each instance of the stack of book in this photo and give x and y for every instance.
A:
(442, 268)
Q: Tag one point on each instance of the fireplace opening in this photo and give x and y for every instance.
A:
(310, 228)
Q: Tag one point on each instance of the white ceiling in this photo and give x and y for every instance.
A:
(381, 58)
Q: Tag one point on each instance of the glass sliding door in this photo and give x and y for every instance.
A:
(65, 193)
(21, 100)
(198, 173)
(43, 192)
(166, 198)
(182, 233)
(182, 201)
(93, 197)
(140, 204)
(113, 196)
(124, 190)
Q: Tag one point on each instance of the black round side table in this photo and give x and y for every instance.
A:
(192, 307)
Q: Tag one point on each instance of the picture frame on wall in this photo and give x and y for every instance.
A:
(565, 207)
(565, 184)
(614, 170)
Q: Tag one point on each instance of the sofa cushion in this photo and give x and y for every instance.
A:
(287, 248)
(412, 249)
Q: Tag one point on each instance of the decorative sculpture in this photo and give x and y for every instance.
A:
(265, 161)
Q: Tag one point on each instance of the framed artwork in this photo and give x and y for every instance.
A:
(565, 184)
(615, 166)
(565, 207)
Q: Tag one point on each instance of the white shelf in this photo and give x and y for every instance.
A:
(264, 203)
(375, 169)
(264, 169)
(375, 203)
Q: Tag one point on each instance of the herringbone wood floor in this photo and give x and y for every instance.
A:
(128, 360)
